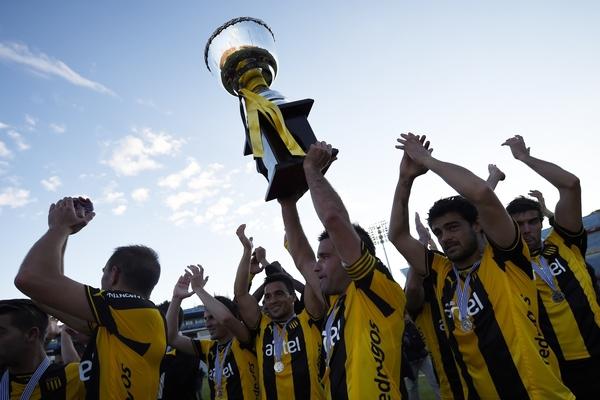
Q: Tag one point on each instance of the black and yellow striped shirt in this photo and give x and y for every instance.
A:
(432, 326)
(300, 378)
(572, 326)
(505, 354)
(179, 376)
(366, 334)
(59, 382)
(239, 379)
(123, 357)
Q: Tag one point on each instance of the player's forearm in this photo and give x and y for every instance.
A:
(242, 276)
(327, 203)
(558, 177)
(214, 306)
(68, 352)
(466, 183)
(298, 244)
(415, 294)
(172, 318)
(399, 218)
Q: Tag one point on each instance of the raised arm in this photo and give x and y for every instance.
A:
(495, 176)
(68, 353)
(328, 204)
(567, 213)
(303, 256)
(493, 218)
(424, 234)
(249, 310)
(174, 338)
(221, 313)
(40, 275)
(540, 198)
(78, 324)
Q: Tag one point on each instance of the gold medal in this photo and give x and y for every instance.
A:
(278, 367)
(557, 296)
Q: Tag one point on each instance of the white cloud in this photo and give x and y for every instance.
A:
(30, 121)
(247, 209)
(52, 183)
(14, 197)
(250, 167)
(221, 207)
(58, 128)
(135, 154)
(4, 151)
(18, 139)
(3, 125)
(120, 209)
(173, 181)
(45, 65)
(140, 195)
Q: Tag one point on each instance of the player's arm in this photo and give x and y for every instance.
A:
(328, 204)
(219, 311)
(399, 230)
(493, 218)
(40, 275)
(249, 310)
(540, 198)
(68, 353)
(174, 338)
(567, 213)
(304, 258)
(495, 176)
(78, 324)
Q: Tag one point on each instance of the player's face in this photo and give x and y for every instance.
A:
(216, 330)
(332, 275)
(530, 225)
(108, 277)
(279, 302)
(458, 238)
(12, 341)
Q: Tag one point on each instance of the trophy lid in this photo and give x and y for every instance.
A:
(238, 45)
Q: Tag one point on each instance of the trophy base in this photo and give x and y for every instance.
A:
(283, 171)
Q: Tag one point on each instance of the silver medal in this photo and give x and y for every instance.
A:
(278, 367)
(557, 296)
(466, 325)
(219, 393)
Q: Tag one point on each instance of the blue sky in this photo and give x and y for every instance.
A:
(112, 100)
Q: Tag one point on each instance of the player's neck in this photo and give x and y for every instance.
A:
(225, 339)
(28, 362)
(468, 262)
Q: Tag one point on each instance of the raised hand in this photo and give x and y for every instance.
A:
(63, 215)
(197, 280)
(496, 173)
(422, 231)
(415, 149)
(319, 156)
(241, 234)
(517, 147)
(258, 260)
(181, 289)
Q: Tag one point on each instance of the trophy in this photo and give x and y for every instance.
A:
(241, 53)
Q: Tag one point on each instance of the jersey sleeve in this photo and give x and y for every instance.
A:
(514, 256)
(376, 282)
(202, 348)
(571, 239)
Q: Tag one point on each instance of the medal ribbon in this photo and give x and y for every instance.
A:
(278, 338)
(328, 326)
(256, 103)
(33, 381)
(542, 269)
(462, 293)
(219, 365)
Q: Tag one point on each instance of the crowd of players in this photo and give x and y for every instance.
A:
(504, 313)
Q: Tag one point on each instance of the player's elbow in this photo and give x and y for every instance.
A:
(482, 194)
(24, 281)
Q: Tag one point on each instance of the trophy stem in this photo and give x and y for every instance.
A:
(253, 80)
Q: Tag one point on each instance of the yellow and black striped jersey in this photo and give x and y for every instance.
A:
(302, 365)
(572, 326)
(179, 376)
(366, 334)
(59, 382)
(124, 355)
(239, 369)
(505, 355)
(432, 326)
